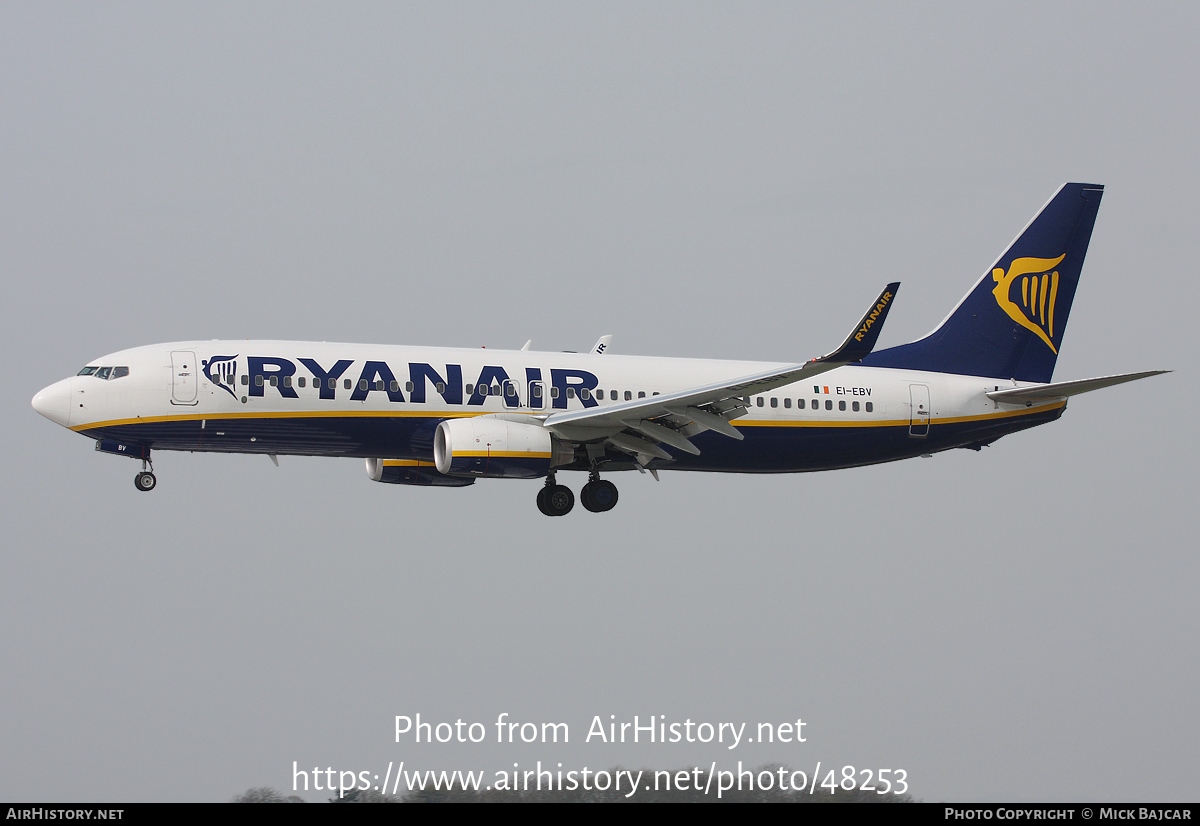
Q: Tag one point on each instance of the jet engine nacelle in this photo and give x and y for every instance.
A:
(411, 472)
(496, 448)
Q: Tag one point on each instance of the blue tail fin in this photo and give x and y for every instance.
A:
(1011, 324)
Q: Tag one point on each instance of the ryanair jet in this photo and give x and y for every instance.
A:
(446, 417)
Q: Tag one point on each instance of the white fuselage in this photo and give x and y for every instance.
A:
(276, 397)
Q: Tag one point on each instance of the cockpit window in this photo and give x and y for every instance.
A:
(105, 373)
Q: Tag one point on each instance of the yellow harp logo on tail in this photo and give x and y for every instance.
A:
(1038, 290)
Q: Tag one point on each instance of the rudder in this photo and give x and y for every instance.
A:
(1011, 324)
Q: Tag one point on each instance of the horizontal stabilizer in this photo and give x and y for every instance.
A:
(1063, 389)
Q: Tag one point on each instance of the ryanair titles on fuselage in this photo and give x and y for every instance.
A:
(378, 377)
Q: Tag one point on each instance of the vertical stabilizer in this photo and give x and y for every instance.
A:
(1012, 322)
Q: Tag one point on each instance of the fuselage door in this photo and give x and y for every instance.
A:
(183, 377)
(918, 425)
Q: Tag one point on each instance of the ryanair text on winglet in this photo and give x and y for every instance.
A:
(884, 300)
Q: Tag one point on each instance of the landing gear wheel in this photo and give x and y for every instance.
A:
(599, 495)
(556, 500)
(144, 481)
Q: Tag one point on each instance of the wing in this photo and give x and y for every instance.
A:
(672, 417)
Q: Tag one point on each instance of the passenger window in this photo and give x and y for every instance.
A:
(641, 394)
(495, 390)
(103, 372)
(774, 402)
(440, 387)
(287, 381)
(870, 407)
(816, 404)
(536, 390)
(378, 384)
(829, 404)
(362, 384)
(120, 372)
(245, 379)
(258, 382)
(854, 406)
(470, 388)
(346, 383)
(332, 383)
(509, 390)
(300, 381)
(628, 395)
(554, 392)
(841, 405)
(759, 401)
(484, 389)
(394, 386)
(570, 392)
(787, 402)
(584, 393)
(800, 404)
(408, 386)
(274, 381)
(600, 395)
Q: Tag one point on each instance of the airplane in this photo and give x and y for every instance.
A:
(446, 417)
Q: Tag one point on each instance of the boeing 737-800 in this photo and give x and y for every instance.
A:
(446, 417)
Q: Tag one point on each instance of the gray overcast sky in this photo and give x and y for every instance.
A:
(715, 180)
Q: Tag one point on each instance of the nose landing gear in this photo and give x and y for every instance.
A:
(145, 480)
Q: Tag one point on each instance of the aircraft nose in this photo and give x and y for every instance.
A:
(54, 402)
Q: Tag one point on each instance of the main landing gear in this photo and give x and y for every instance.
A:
(555, 499)
(145, 480)
(598, 495)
